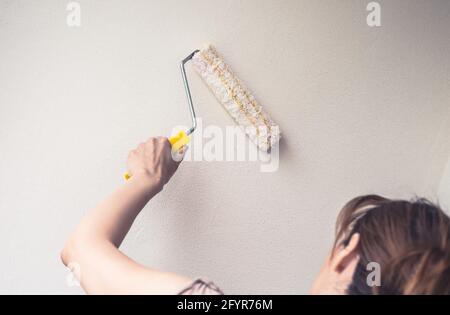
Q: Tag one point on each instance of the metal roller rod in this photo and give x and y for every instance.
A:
(188, 92)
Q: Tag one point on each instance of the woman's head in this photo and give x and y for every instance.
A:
(408, 241)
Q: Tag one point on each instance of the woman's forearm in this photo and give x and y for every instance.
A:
(92, 249)
(111, 220)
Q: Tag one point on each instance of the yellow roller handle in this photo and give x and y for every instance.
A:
(177, 141)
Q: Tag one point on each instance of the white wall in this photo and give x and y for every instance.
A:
(444, 185)
(362, 110)
(444, 188)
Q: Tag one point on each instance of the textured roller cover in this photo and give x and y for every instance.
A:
(236, 99)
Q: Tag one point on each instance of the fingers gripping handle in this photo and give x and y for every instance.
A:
(177, 142)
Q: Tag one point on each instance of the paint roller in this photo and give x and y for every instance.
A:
(237, 100)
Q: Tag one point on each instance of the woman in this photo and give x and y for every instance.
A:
(409, 241)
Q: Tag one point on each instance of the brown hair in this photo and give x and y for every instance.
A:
(410, 240)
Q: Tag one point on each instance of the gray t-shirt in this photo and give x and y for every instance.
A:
(201, 287)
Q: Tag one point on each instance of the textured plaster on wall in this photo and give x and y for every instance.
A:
(359, 108)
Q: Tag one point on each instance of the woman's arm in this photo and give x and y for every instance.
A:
(92, 249)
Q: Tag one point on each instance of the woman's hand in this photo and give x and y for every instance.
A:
(154, 161)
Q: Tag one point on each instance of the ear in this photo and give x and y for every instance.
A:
(346, 258)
